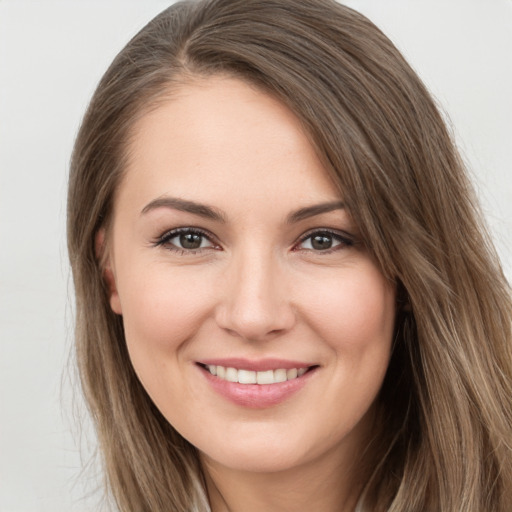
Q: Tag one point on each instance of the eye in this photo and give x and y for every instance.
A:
(186, 240)
(324, 241)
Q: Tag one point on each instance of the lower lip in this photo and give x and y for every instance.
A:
(257, 396)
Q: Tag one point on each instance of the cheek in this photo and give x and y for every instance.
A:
(162, 311)
(162, 308)
(354, 315)
(354, 312)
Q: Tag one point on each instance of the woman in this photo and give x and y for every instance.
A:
(285, 297)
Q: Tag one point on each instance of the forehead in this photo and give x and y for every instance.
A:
(219, 135)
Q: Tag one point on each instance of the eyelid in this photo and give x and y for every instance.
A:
(346, 239)
(164, 238)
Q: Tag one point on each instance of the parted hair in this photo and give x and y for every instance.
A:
(443, 436)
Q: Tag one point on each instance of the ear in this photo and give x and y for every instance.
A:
(104, 259)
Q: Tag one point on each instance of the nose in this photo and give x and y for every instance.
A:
(256, 303)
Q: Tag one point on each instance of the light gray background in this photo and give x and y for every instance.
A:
(52, 53)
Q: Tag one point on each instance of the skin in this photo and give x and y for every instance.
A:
(255, 289)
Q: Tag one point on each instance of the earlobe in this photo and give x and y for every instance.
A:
(110, 280)
(108, 274)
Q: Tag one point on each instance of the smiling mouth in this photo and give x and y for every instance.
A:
(266, 377)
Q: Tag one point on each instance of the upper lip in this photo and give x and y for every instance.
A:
(257, 365)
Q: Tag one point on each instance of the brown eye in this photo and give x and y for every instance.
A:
(191, 240)
(186, 239)
(323, 241)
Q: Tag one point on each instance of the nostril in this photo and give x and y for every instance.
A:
(254, 319)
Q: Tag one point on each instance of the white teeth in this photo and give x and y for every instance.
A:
(252, 377)
(246, 377)
(265, 377)
(280, 375)
(231, 375)
(221, 372)
(291, 374)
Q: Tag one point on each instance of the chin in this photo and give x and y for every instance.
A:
(266, 452)
(261, 459)
(264, 448)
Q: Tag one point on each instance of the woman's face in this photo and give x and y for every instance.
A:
(232, 258)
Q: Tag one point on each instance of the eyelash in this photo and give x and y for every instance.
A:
(165, 240)
(344, 240)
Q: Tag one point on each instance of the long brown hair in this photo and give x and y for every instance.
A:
(444, 439)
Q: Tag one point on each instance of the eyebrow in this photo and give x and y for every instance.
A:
(212, 213)
(316, 209)
(208, 212)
